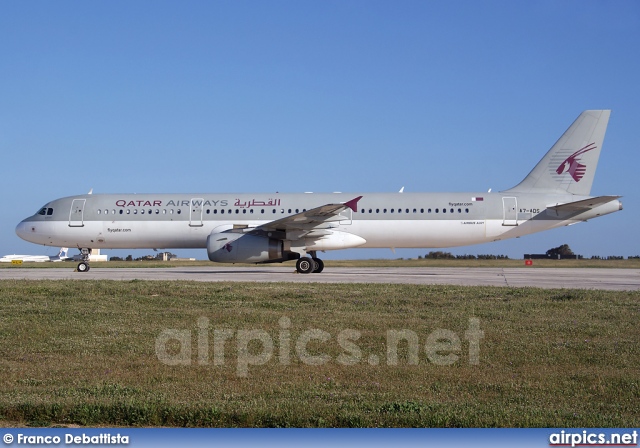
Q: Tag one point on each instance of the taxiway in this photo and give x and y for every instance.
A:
(574, 278)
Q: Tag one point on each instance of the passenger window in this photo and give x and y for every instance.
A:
(141, 211)
(244, 210)
(237, 211)
(391, 210)
(414, 211)
(444, 210)
(384, 211)
(98, 211)
(262, 211)
(128, 211)
(451, 210)
(215, 211)
(121, 212)
(459, 210)
(466, 210)
(297, 210)
(251, 210)
(222, 211)
(421, 210)
(135, 212)
(171, 212)
(179, 211)
(208, 211)
(437, 210)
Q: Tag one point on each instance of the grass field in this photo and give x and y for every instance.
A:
(413, 262)
(86, 353)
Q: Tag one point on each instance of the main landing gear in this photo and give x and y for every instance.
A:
(83, 266)
(308, 265)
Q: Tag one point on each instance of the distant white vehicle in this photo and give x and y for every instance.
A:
(62, 256)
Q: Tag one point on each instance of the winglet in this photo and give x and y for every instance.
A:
(353, 203)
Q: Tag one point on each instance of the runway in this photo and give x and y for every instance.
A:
(585, 278)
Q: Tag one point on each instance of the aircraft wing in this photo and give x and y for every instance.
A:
(311, 219)
(585, 204)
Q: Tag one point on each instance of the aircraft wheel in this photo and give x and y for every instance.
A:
(319, 265)
(83, 267)
(305, 265)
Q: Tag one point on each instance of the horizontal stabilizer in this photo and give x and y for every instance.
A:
(585, 204)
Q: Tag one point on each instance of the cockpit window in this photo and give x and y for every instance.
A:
(48, 211)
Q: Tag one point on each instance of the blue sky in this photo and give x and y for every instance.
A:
(290, 96)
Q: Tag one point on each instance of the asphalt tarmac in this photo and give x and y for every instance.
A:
(581, 278)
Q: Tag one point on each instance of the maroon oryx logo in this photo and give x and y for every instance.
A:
(572, 163)
(228, 247)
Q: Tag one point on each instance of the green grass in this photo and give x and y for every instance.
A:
(84, 353)
(411, 262)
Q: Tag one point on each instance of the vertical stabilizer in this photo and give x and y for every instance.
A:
(570, 165)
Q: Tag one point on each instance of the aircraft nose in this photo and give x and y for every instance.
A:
(21, 230)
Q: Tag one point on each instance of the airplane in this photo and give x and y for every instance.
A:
(63, 255)
(274, 228)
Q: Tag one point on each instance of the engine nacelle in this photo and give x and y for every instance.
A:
(229, 247)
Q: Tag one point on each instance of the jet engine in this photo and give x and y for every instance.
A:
(230, 247)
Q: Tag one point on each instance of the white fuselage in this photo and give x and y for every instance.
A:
(382, 220)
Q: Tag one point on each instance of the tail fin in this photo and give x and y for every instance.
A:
(64, 251)
(570, 165)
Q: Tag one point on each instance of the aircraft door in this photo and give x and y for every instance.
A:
(510, 208)
(195, 212)
(346, 217)
(76, 215)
